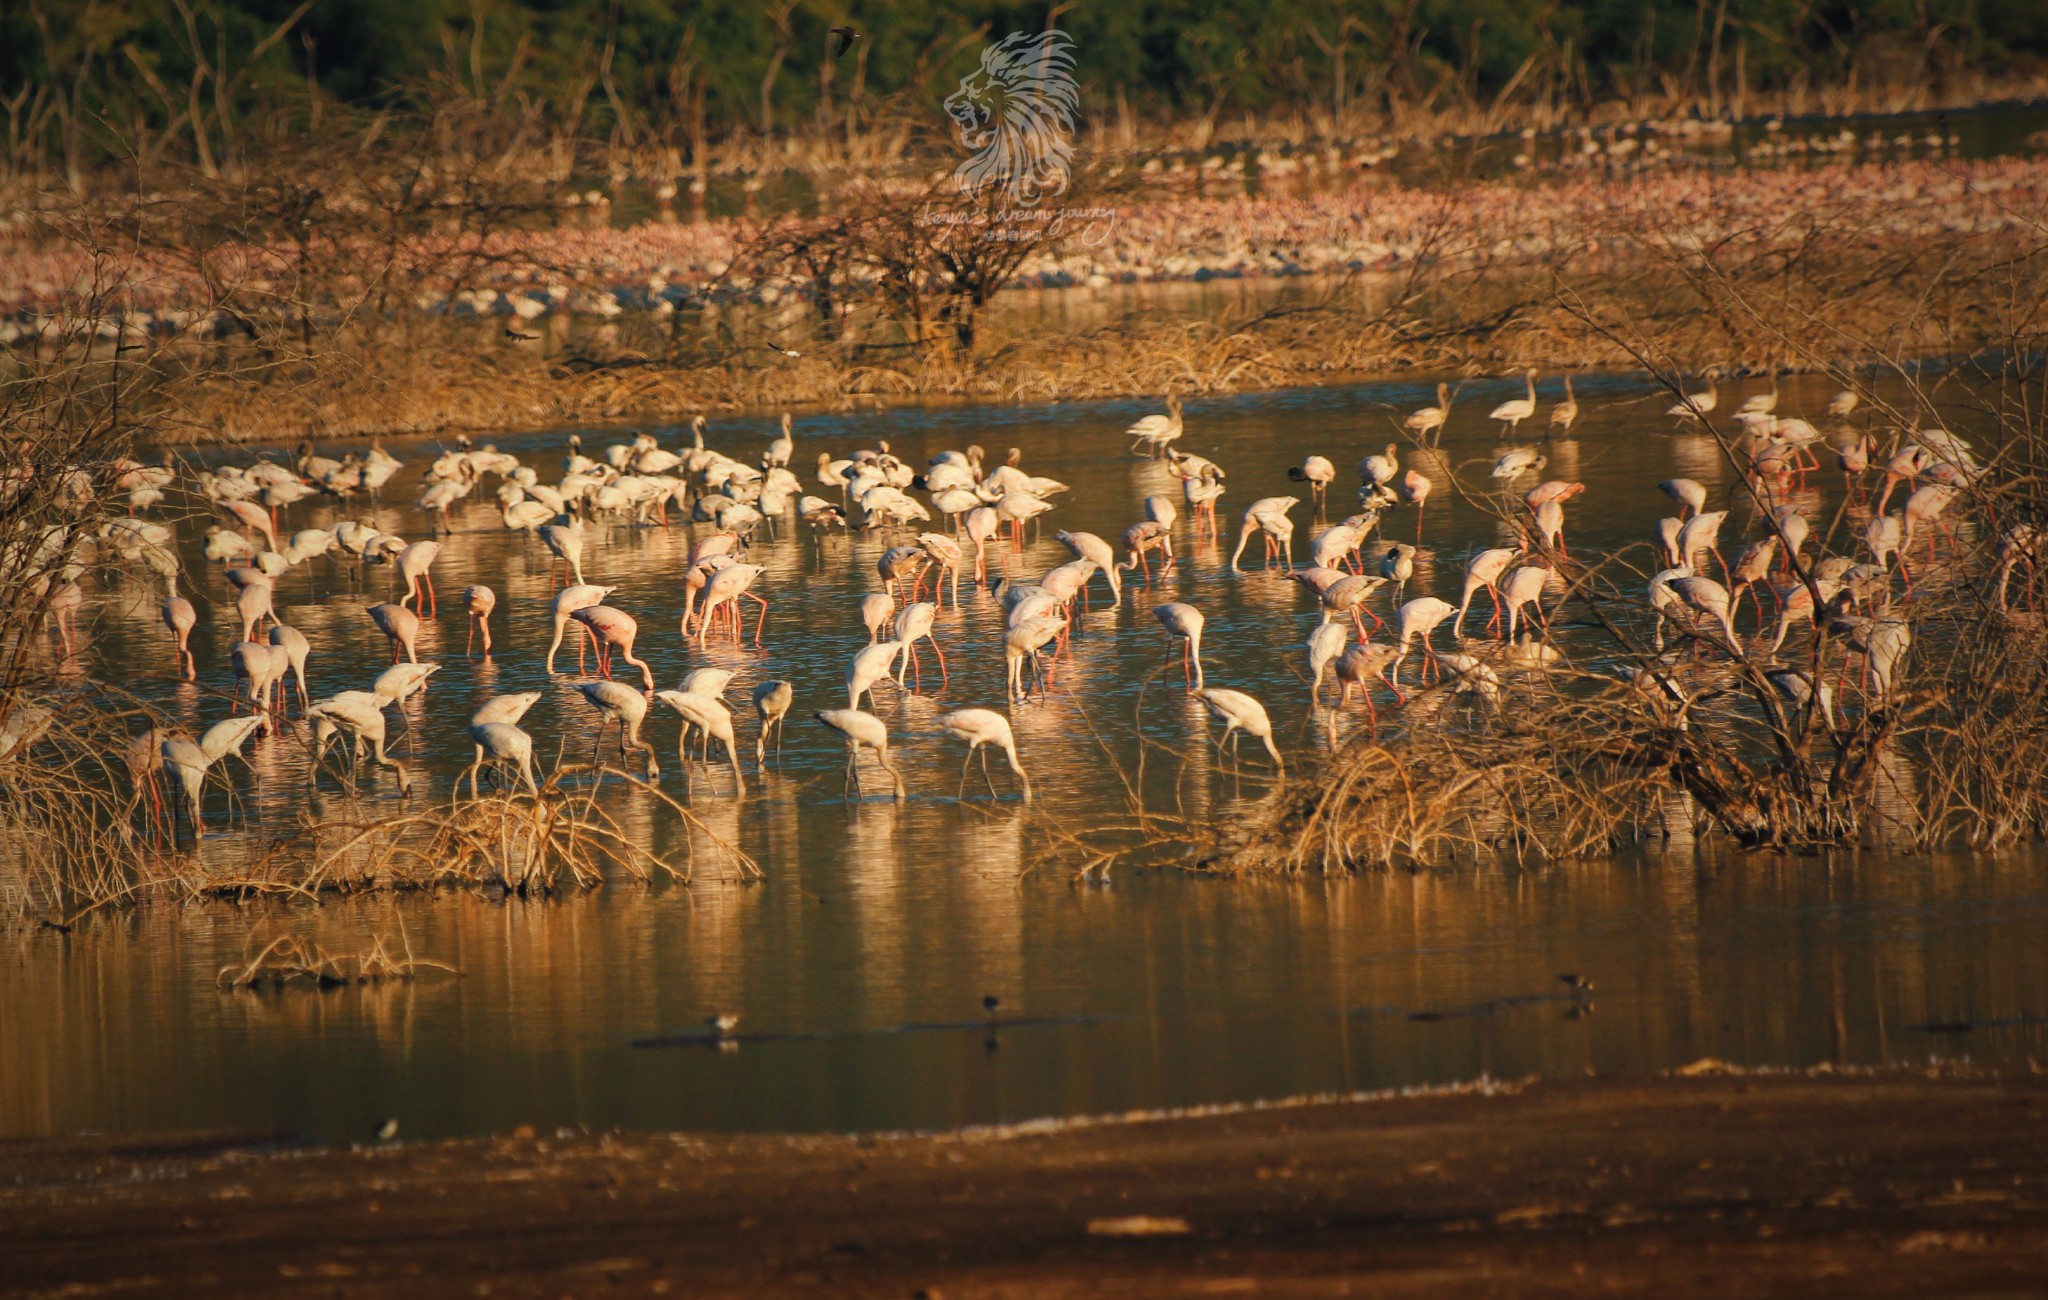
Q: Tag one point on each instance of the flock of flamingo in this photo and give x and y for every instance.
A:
(729, 501)
(661, 265)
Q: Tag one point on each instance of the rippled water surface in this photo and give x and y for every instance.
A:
(860, 964)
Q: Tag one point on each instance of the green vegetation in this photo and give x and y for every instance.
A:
(90, 82)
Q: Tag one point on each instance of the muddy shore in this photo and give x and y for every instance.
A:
(1893, 1184)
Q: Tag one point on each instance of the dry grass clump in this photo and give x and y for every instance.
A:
(1552, 759)
(287, 962)
(558, 840)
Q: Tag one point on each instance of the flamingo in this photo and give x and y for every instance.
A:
(1483, 571)
(782, 448)
(1762, 403)
(1926, 504)
(771, 704)
(526, 516)
(62, 610)
(1087, 546)
(262, 667)
(180, 616)
(1325, 644)
(1379, 471)
(398, 683)
(439, 498)
(253, 517)
(1710, 599)
(877, 611)
(1702, 532)
(944, 552)
(1566, 413)
(871, 664)
(224, 547)
(253, 603)
(1142, 538)
(401, 625)
(500, 744)
(1157, 432)
(1697, 406)
(1524, 586)
(187, 762)
(296, 649)
(1022, 642)
(565, 543)
(1348, 595)
(1512, 413)
(1184, 622)
(1429, 419)
(1854, 461)
(1517, 461)
(1240, 712)
(1317, 472)
(567, 602)
(1752, 569)
(1415, 489)
(1398, 567)
(1690, 494)
(1668, 530)
(621, 704)
(980, 525)
(710, 716)
(415, 563)
(1661, 597)
(914, 624)
(1883, 536)
(979, 727)
(1798, 689)
(1418, 618)
(360, 716)
(1357, 667)
(477, 604)
(613, 629)
(728, 585)
(862, 729)
(504, 708)
(1268, 514)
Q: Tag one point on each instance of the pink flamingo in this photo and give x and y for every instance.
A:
(415, 563)
(477, 604)
(181, 617)
(401, 625)
(614, 629)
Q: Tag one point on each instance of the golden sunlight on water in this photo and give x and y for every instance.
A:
(859, 964)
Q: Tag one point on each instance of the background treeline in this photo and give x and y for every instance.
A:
(85, 83)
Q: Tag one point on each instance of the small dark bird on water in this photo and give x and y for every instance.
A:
(1576, 983)
(387, 1130)
(843, 39)
(514, 332)
(990, 1003)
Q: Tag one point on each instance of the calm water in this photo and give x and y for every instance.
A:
(877, 921)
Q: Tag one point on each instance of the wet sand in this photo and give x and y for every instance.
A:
(1717, 1185)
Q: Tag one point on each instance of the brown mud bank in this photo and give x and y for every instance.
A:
(1891, 1184)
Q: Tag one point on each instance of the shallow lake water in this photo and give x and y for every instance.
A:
(859, 964)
